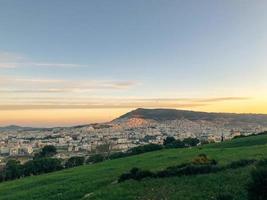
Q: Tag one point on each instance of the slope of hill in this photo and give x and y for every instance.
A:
(98, 181)
(172, 114)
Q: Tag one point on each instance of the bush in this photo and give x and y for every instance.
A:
(74, 161)
(47, 151)
(257, 188)
(262, 163)
(176, 144)
(136, 174)
(117, 155)
(171, 171)
(200, 165)
(168, 141)
(240, 163)
(198, 169)
(191, 141)
(202, 159)
(42, 165)
(144, 149)
(95, 159)
(171, 142)
(13, 170)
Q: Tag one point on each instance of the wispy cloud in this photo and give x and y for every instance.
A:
(39, 85)
(40, 64)
(104, 102)
(219, 99)
(11, 60)
(91, 106)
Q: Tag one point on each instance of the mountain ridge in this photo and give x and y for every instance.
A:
(161, 114)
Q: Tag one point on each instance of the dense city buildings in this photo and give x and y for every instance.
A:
(119, 135)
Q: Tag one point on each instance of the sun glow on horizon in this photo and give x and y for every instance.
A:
(69, 117)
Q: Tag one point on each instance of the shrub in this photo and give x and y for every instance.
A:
(74, 161)
(47, 151)
(13, 170)
(262, 163)
(42, 165)
(202, 159)
(191, 141)
(136, 174)
(117, 155)
(168, 141)
(171, 171)
(198, 169)
(144, 149)
(257, 188)
(240, 163)
(95, 159)
(176, 144)
(171, 142)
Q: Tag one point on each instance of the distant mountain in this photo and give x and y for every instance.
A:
(20, 128)
(160, 115)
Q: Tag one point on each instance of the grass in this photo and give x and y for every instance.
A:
(98, 181)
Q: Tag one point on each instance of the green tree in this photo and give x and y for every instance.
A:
(168, 141)
(42, 165)
(74, 161)
(191, 141)
(13, 170)
(95, 158)
(47, 151)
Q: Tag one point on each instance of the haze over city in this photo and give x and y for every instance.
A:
(78, 63)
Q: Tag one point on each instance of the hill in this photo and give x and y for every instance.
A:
(172, 114)
(98, 181)
(21, 128)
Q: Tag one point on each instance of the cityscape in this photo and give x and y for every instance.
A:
(133, 100)
(121, 134)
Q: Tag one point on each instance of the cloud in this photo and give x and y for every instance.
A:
(35, 64)
(11, 60)
(105, 102)
(91, 106)
(219, 99)
(50, 90)
(38, 85)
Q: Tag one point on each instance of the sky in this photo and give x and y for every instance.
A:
(70, 62)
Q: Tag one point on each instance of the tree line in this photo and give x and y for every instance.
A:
(43, 162)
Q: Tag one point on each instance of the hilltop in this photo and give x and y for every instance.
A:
(172, 114)
(98, 181)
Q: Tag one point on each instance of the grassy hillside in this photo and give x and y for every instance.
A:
(98, 181)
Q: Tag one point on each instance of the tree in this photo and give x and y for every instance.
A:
(13, 170)
(95, 159)
(191, 141)
(257, 188)
(105, 148)
(42, 165)
(143, 149)
(177, 144)
(47, 151)
(74, 161)
(168, 141)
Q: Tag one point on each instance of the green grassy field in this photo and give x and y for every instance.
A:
(98, 181)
